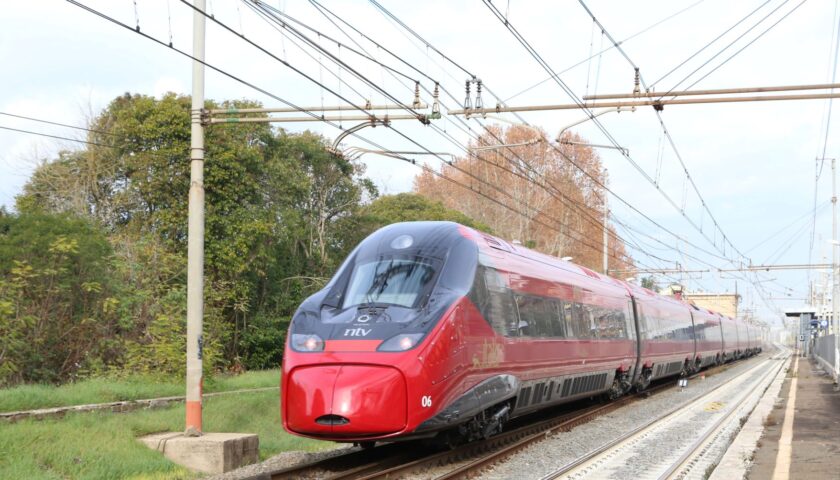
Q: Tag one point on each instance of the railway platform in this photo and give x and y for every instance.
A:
(800, 438)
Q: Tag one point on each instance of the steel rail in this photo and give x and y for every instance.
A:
(481, 463)
(577, 463)
(392, 460)
(706, 438)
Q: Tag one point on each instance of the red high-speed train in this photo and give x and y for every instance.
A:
(435, 329)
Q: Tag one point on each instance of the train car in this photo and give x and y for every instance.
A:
(434, 329)
(666, 335)
(709, 337)
(730, 338)
(743, 338)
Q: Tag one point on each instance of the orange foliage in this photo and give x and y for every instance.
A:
(563, 207)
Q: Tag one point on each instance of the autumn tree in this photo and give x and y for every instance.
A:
(529, 191)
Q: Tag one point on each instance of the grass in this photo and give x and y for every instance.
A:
(101, 390)
(103, 445)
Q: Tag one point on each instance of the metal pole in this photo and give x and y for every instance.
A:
(195, 232)
(330, 108)
(325, 118)
(720, 91)
(641, 103)
(835, 270)
(606, 220)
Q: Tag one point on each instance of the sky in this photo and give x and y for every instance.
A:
(753, 163)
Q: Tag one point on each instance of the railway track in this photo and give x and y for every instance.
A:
(402, 460)
(692, 459)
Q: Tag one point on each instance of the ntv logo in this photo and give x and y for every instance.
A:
(357, 332)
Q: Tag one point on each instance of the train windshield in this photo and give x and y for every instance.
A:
(394, 281)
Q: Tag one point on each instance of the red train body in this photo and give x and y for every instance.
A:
(433, 328)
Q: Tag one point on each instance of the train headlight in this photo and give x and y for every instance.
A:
(307, 343)
(401, 342)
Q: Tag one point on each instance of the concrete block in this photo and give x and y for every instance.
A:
(209, 453)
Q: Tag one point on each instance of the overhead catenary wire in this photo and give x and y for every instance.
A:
(708, 44)
(583, 107)
(568, 202)
(738, 52)
(117, 22)
(605, 50)
(820, 161)
(584, 171)
(671, 141)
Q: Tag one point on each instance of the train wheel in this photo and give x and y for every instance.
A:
(644, 380)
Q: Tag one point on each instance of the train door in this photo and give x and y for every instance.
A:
(694, 337)
(640, 332)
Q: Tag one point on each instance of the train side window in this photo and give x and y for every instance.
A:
(580, 324)
(496, 302)
(545, 318)
(479, 295)
(527, 319)
(559, 319)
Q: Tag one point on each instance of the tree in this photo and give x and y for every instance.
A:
(275, 206)
(562, 206)
(58, 314)
(650, 283)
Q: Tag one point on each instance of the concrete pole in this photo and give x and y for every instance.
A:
(606, 227)
(195, 233)
(835, 271)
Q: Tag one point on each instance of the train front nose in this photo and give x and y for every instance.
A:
(351, 400)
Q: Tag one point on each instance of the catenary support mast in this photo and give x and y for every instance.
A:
(195, 242)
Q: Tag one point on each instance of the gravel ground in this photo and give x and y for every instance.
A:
(283, 460)
(563, 448)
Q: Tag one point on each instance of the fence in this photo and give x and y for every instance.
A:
(823, 351)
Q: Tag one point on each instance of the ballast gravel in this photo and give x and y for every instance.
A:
(544, 457)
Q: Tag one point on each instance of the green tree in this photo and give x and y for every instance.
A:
(275, 206)
(650, 283)
(57, 310)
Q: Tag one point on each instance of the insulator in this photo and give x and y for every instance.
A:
(417, 95)
(636, 87)
(479, 103)
(436, 103)
(467, 101)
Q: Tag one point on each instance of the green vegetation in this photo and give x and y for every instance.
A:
(104, 445)
(101, 390)
(93, 262)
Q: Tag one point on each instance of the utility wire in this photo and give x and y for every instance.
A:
(588, 174)
(24, 117)
(674, 148)
(57, 137)
(709, 44)
(835, 34)
(564, 200)
(532, 218)
(588, 111)
(786, 15)
(622, 42)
